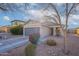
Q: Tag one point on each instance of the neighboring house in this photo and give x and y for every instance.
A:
(42, 28)
(77, 31)
(4, 29)
(17, 22)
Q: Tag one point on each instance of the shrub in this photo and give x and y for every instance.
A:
(30, 50)
(17, 30)
(33, 38)
(51, 42)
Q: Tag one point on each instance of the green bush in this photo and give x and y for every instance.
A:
(51, 42)
(33, 38)
(30, 50)
(17, 30)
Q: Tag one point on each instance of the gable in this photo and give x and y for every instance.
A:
(32, 23)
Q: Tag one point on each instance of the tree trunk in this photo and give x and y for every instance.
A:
(65, 32)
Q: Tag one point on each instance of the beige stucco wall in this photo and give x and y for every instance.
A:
(32, 24)
(44, 31)
(5, 29)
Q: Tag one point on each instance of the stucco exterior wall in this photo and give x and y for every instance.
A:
(44, 31)
(32, 24)
(4, 29)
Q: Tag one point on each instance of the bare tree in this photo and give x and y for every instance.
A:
(67, 15)
(69, 9)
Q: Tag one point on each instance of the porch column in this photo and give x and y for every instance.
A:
(61, 32)
(23, 31)
(54, 31)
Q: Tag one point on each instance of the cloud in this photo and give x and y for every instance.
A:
(35, 13)
(6, 18)
(75, 16)
(59, 4)
(74, 19)
(39, 13)
(75, 23)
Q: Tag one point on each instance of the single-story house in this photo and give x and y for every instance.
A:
(43, 28)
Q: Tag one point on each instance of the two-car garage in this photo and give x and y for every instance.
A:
(35, 27)
(31, 27)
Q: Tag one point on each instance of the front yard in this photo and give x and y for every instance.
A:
(58, 50)
(43, 49)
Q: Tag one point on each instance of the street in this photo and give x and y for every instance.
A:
(12, 43)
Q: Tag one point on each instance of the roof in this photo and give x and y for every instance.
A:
(18, 21)
(51, 24)
(32, 21)
(4, 26)
(47, 24)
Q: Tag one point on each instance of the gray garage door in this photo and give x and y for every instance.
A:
(33, 30)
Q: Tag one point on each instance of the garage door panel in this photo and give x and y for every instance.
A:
(32, 30)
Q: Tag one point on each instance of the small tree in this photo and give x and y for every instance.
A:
(17, 30)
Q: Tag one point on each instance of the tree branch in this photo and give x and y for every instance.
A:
(56, 12)
(71, 9)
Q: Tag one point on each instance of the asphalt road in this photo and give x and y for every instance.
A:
(12, 43)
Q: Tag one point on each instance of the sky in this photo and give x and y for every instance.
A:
(33, 11)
